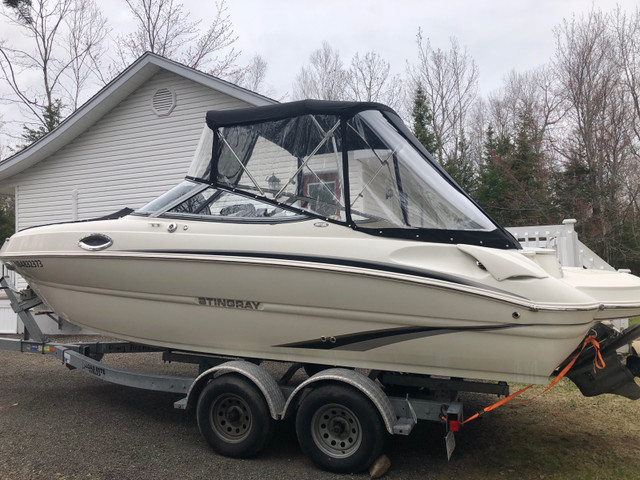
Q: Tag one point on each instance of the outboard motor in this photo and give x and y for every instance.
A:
(616, 378)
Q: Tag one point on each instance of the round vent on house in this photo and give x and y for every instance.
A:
(163, 101)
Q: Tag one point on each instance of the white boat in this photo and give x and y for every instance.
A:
(324, 233)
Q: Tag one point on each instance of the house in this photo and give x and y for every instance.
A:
(129, 143)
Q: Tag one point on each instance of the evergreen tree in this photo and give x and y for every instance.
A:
(493, 192)
(530, 180)
(7, 218)
(422, 119)
(515, 186)
(52, 116)
(571, 192)
(461, 168)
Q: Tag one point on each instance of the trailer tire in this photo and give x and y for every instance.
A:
(312, 368)
(233, 416)
(340, 429)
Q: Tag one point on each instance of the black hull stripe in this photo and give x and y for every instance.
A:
(363, 341)
(416, 272)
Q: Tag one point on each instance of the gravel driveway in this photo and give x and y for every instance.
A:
(61, 424)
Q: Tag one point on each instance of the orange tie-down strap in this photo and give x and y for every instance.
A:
(598, 363)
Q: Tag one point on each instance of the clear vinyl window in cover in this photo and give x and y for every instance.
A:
(392, 185)
(296, 162)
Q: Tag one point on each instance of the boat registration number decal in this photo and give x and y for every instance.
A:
(28, 263)
(229, 303)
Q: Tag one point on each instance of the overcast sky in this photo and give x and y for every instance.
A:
(500, 35)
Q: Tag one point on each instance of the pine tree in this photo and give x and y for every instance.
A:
(52, 116)
(514, 184)
(461, 168)
(7, 217)
(493, 192)
(571, 194)
(422, 119)
(530, 181)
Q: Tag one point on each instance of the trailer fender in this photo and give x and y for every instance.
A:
(341, 375)
(260, 378)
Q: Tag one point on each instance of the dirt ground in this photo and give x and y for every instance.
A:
(60, 424)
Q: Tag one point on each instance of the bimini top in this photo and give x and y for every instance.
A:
(352, 163)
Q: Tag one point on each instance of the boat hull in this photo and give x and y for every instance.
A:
(262, 308)
(313, 292)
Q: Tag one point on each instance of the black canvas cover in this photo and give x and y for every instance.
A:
(354, 163)
(281, 111)
(269, 113)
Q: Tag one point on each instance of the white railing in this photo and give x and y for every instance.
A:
(570, 251)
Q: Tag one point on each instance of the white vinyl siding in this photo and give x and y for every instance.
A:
(8, 318)
(126, 159)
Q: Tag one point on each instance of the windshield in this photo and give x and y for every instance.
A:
(204, 202)
(181, 192)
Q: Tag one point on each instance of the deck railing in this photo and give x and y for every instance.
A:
(570, 251)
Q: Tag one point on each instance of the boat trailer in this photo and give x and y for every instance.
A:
(227, 391)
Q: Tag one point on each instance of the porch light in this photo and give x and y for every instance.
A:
(273, 181)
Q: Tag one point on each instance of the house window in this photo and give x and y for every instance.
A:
(324, 193)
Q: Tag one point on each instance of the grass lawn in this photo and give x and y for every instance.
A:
(634, 320)
(559, 436)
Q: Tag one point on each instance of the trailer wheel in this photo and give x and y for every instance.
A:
(340, 429)
(233, 416)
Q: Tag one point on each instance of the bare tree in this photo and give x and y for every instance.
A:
(534, 94)
(598, 123)
(627, 40)
(450, 82)
(88, 30)
(626, 28)
(477, 124)
(253, 76)
(163, 27)
(47, 24)
(42, 22)
(369, 79)
(324, 78)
